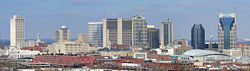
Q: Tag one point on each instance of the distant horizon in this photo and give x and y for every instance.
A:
(46, 16)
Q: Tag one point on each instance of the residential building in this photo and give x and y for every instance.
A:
(95, 34)
(16, 30)
(166, 33)
(198, 36)
(139, 32)
(153, 37)
(63, 34)
(117, 31)
(227, 33)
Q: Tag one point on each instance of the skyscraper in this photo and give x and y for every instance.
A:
(95, 33)
(117, 31)
(139, 32)
(198, 36)
(16, 30)
(227, 33)
(153, 37)
(63, 34)
(166, 33)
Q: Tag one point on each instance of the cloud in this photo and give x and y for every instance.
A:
(188, 3)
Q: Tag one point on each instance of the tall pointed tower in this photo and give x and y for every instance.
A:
(227, 33)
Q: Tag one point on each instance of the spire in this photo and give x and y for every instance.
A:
(38, 38)
(235, 10)
(219, 12)
(167, 19)
(235, 14)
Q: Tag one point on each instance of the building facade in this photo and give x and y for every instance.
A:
(198, 36)
(227, 33)
(63, 34)
(236, 52)
(166, 33)
(117, 31)
(139, 32)
(153, 37)
(68, 47)
(95, 34)
(83, 37)
(16, 30)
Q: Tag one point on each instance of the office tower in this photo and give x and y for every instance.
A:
(227, 34)
(95, 34)
(153, 37)
(83, 37)
(139, 32)
(63, 34)
(198, 36)
(117, 31)
(166, 33)
(16, 30)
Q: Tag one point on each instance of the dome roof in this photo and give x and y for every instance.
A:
(63, 27)
(198, 52)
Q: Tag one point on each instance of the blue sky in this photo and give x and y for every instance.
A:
(46, 16)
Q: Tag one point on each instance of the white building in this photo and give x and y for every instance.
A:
(63, 34)
(20, 54)
(197, 55)
(83, 37)
(16, 30)
(237, 52)
(139, 32)
(68, 47)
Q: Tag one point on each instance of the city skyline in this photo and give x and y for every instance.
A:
(45, 20)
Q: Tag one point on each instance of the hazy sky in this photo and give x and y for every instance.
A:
(46, 16)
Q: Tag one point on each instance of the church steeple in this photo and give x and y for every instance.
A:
(38, 38)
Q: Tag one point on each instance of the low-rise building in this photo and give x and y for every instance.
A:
(21, 54)
(68, 47)
(237, 52)
(66, 60)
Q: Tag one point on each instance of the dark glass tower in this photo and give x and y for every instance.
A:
(198, 36)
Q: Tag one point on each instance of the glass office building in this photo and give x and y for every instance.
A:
(139, 32)
(95, 34)
(227, 34)
(166, 33)
(198, 36)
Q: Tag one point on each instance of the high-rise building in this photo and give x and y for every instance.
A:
(166, 33)
(117, 31)
(16, 30)
(63, 34)
(95, 34)
(83, 37)
(153, 37)
(227, 33)
(198, 36)
(139, 32)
